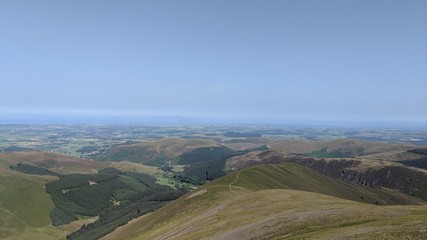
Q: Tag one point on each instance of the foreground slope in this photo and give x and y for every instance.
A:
(273, 201)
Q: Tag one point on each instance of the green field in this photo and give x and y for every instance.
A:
(25, 206)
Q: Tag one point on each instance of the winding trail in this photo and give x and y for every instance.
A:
(235, 180)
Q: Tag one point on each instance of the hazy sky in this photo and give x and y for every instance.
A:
(233, 59)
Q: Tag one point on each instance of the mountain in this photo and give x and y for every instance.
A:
(272, 201)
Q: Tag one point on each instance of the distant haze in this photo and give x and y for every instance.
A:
(241, 59)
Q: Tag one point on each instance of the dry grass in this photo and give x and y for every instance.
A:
(253, 211)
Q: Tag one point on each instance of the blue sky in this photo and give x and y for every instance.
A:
(215, 59)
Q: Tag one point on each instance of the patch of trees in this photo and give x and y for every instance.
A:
(205, 154)
(140, 155)
(202, 172)
(142, 177)
(115, 216)
(84, 194)
(30, 169)
(60, 216)
(207, 164)
(419, 163)
(115, 196)
(87, 149)
(14, 149)
(334, 153)
(419, 151)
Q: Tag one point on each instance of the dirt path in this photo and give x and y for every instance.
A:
(235, 180)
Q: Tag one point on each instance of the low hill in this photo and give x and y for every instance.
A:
(155, 152)
(340, 148)
(272, 201)
(245, 143)
(52, 161)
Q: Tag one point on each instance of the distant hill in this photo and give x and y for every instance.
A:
(155, 152)
(52, 161)
(407, 176)
(245, 143)
(340, 148)
(273, 201)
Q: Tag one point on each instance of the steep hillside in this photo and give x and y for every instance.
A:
(366, 170)
(272, 201)
(155, 152)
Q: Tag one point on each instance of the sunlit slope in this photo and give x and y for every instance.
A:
(25, 206)
(273, 201)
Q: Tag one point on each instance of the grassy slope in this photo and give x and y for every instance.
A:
(25, 207)
(267, 202)
(24, 203)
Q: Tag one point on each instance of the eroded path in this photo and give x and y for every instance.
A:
(235, 180)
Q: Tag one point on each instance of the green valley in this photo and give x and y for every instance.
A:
(221, 184)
